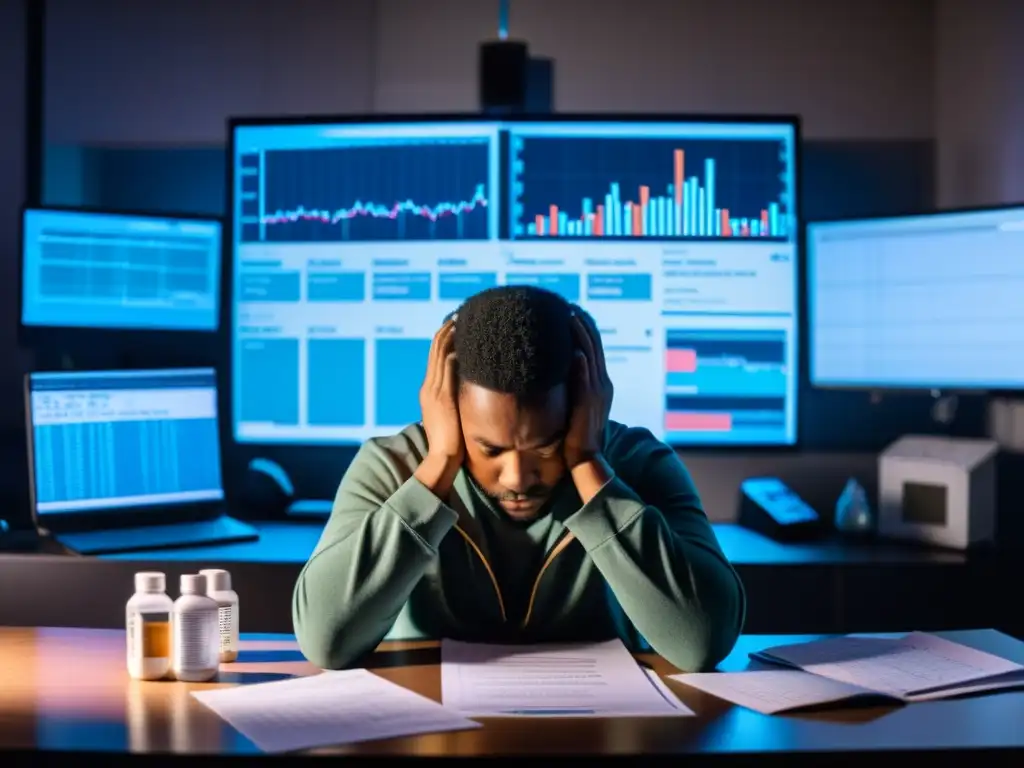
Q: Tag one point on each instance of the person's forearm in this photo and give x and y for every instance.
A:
(590, 477)
(438, 473)
(676, 589)
(365, 568)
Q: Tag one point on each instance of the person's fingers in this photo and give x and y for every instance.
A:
(595, 338)
(450, 379)
(583, 340)
(586, 341)
(582, 370)
(438, 351)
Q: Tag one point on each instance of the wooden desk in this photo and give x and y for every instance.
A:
(67, 689)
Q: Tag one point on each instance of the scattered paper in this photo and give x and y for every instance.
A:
(579, 680)
(667, 694)
(773, 691)
(918, 664)
(328, 709)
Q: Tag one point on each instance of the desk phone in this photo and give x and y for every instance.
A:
(770, 507)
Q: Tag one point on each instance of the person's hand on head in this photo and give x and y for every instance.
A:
(439, 398)
(591, 394)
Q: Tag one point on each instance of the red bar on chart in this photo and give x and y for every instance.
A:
(553, 215)
(726, 224)
(763, 229)
(540, 224)
(681, 421)
(638, 219)
(645, 197)
(599, 221)
(677, 178)
(680, 360)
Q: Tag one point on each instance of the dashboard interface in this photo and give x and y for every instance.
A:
(352, 242)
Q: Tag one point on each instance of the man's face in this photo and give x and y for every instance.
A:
(514, 450)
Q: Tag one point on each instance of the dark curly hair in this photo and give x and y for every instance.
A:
(515, 339)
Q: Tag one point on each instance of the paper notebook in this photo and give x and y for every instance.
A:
(917, 667)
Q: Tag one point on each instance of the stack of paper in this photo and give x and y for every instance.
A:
(328, 709)
(599, 680)
(917, 667)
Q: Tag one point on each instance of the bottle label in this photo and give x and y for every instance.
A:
(196, 639)
(226, 622)
(149, 635)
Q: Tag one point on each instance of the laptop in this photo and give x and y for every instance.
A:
(125, 461)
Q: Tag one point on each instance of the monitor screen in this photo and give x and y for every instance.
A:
(116, 440)
(352, 242)
(88, 269)
(918, 302)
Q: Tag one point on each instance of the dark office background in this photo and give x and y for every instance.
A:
(905, 106)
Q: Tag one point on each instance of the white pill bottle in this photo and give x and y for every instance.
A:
(218, 587)
(148, 627)
(196, 647)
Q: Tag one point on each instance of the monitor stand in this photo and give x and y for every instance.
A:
(201, 533)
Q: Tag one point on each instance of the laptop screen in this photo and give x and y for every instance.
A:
(117, 440)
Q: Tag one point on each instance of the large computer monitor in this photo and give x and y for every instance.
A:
(352, 240)
(92, 269)
(928, 302)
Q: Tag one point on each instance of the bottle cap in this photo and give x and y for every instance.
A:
(150, 581)
(193, 584)
(217, 579)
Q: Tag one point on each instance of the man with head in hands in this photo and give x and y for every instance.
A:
(516, 511)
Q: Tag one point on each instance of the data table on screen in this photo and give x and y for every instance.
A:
(75, 462)
(89, 269)
(921, 302)
(105, 440)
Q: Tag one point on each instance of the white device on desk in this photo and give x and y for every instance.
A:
(938, 490)
(123, 461)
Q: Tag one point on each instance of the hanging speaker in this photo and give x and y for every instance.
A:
(503, 75)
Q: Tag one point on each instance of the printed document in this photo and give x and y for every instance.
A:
(577, 680)
(774, 690)
(917, 667)
(327, 709)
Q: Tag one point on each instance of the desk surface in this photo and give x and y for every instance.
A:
(293, 543)
(67, 689)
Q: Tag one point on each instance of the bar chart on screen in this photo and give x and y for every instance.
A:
(655, 188)
(366, 192)
(725, 381)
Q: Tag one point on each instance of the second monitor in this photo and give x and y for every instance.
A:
(352, 241)
(97, 269)
(918, 302)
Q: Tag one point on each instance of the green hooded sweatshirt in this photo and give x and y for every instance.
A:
(640, 561)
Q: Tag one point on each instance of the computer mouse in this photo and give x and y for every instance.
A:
(267, 490)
